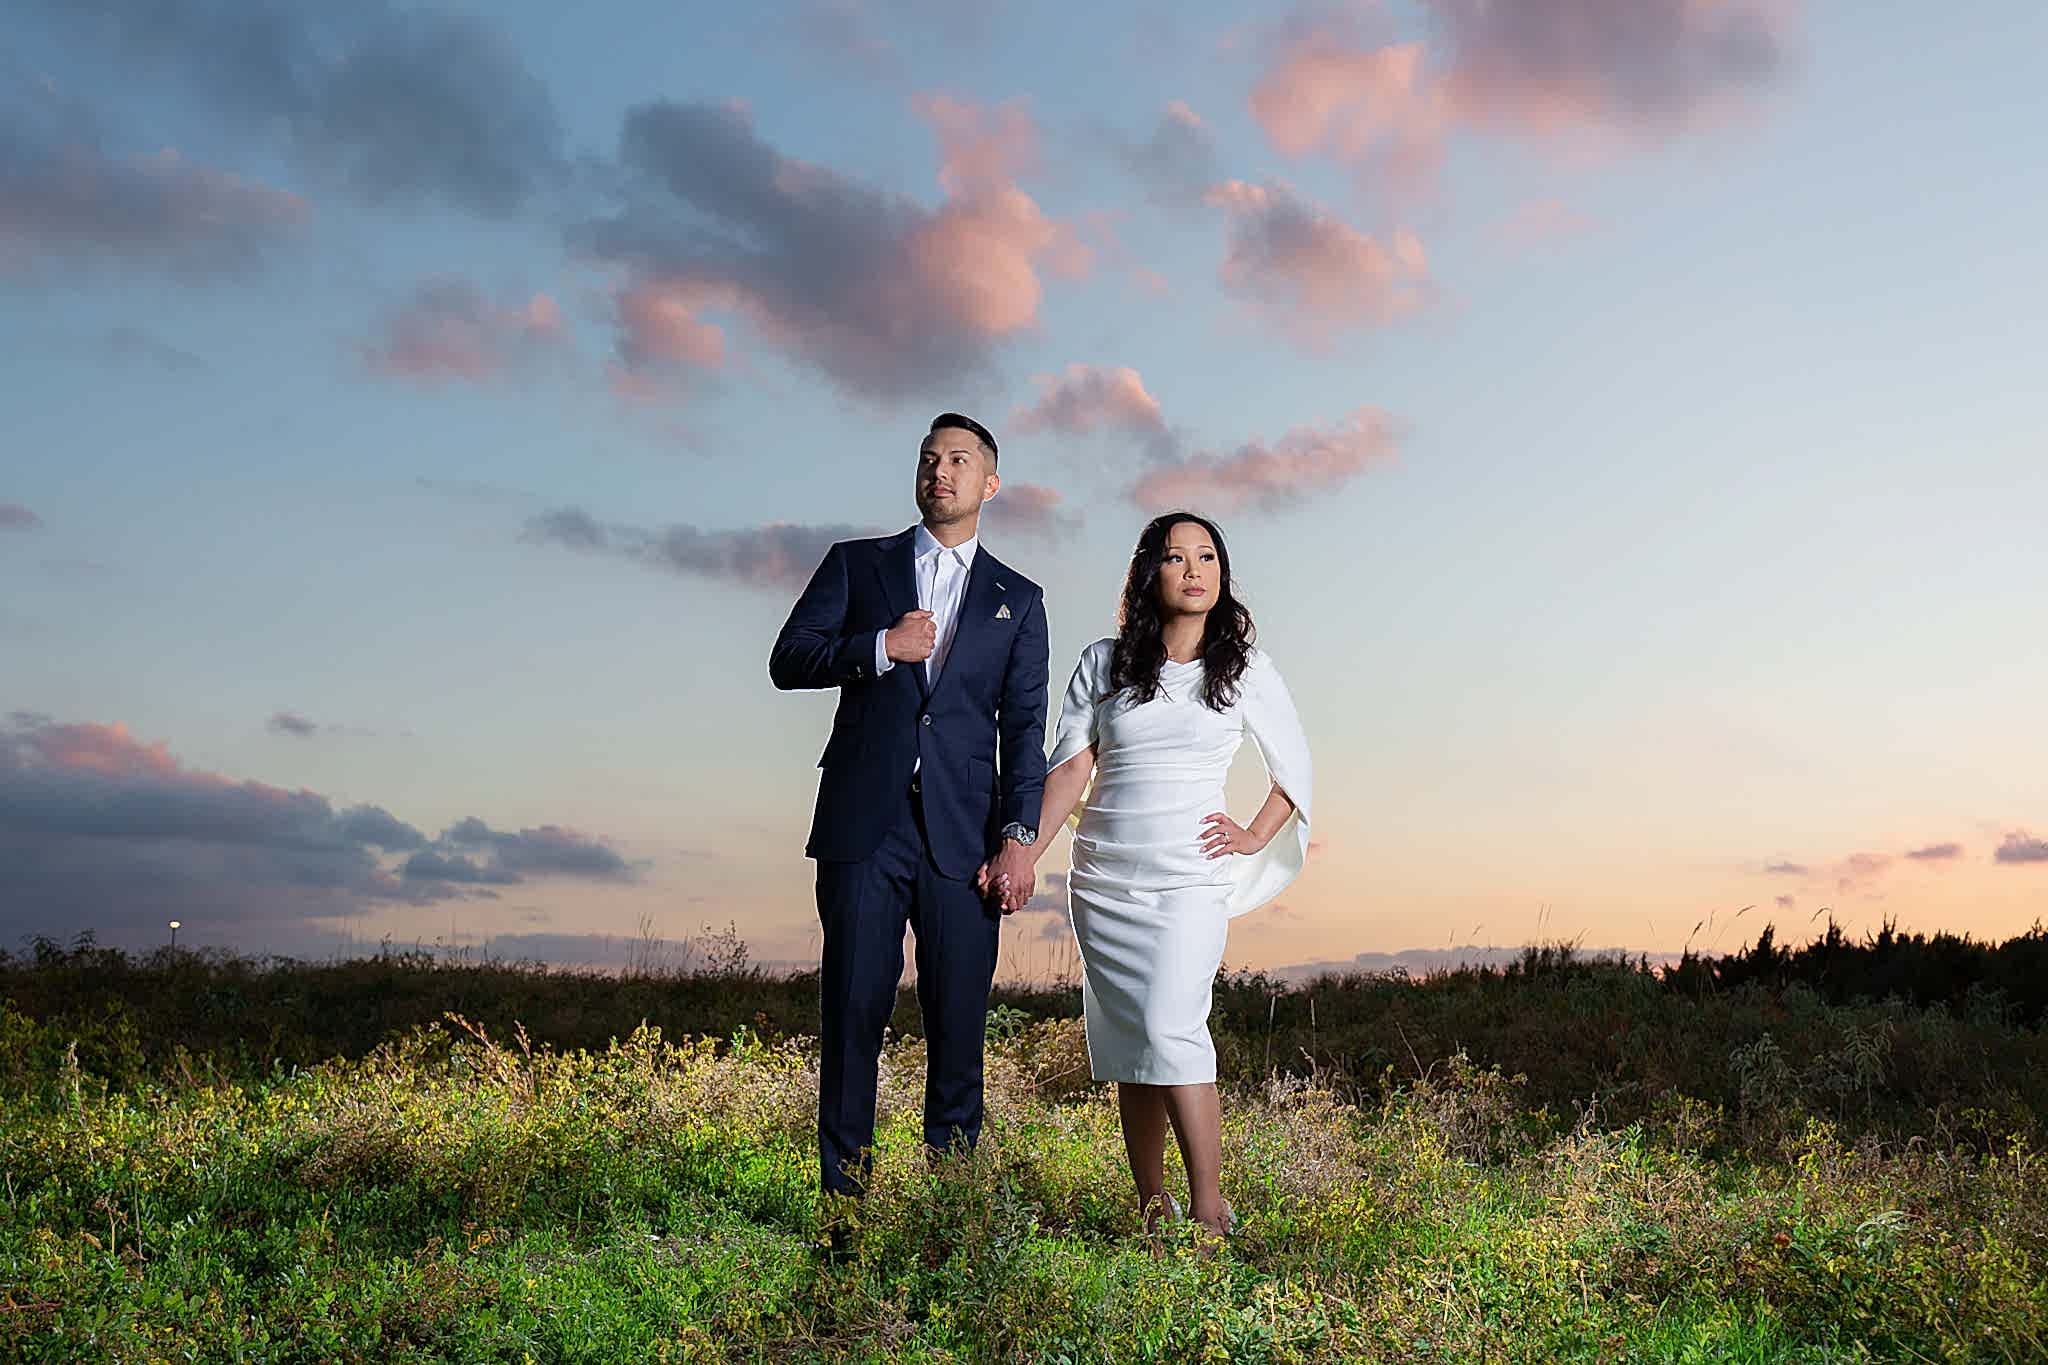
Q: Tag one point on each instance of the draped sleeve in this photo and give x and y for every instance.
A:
(1080, 722)
(1274, 726)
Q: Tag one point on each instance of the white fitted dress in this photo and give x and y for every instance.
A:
(1150, 909)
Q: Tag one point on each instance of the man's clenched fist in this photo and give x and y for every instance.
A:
(913, 638)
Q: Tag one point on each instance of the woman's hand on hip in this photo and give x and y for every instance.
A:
(1223, 836)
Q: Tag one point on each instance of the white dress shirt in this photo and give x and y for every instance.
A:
(941, 575)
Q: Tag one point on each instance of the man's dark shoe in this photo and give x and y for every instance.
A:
(835, 1248)
(836, 1213)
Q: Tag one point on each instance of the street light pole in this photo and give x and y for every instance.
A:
(174, 936)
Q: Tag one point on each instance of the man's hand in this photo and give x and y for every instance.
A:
(1008, 878)
(912, 639)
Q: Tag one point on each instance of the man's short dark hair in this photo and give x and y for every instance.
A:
(966, 423)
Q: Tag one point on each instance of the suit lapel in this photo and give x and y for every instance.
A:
(978, 605)
(897, 566)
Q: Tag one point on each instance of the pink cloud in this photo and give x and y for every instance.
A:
(105, 750)
(1310, 273)
(1861, 871)
(447, 331)
(1090, 398)
(980, 149)
(984, 245)
(15, 517)
(885, 296)
(1594, 71)
(1305, 461)
(1029, 510)
(658, 321)
(979, 257)
(1371, 106)
(69, 202)
(542, 317)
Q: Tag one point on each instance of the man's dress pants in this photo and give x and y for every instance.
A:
(863, 907)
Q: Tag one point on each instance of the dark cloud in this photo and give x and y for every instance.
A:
(1936, 853)
(379, 828)
(133, 345)
(101, 831)
(399, 104)
(1630, 63)
(1786, 902)
(1787, 869)
(1031, 511)
(549, 851)
(1310, 273)
(843, 33)
(856, 31)
(779, 556)
(77, 570)
(475, 490)
(66, 204)
(98, 830)
(125, 888)
(429, 866)
(571, 527)
(2022, 847)
(15, 517)
(1177, 164)
(297, 726)
(158, 804)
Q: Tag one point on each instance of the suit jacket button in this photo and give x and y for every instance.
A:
(925, 719)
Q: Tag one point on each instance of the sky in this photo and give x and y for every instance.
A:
(1624, 414)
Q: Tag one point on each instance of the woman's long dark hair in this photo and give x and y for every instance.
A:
(1140, 651)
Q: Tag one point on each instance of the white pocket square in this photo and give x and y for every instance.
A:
(1003, 612)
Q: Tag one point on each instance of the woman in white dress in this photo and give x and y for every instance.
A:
(1155, 714)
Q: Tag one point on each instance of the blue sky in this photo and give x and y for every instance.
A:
(1665, 513)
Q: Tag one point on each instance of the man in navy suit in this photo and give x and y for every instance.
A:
(930, 788)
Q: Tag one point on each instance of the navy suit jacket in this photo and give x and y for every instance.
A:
(977, 738)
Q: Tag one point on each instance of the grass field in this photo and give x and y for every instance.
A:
(464, 1193)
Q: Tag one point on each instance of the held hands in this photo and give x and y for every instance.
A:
(1223, 836)
(912, 639)
(1007, 879)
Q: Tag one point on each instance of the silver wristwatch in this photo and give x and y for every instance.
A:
(1021, 832)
